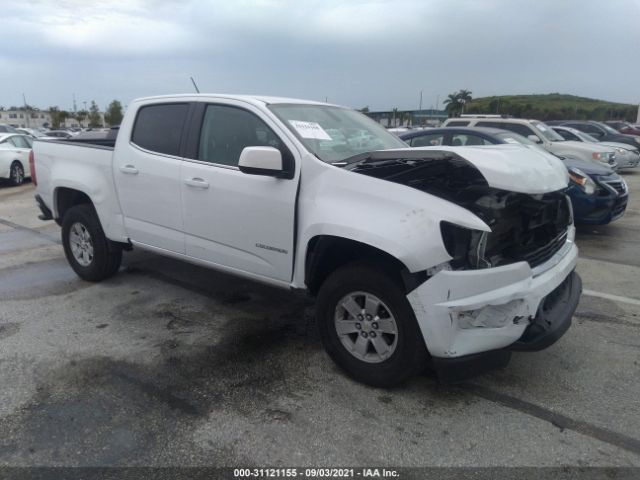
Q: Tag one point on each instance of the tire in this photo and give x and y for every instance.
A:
(405, 355)
(89, 252)
(16, 174)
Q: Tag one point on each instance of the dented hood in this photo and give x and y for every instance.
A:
(506, 167)
(512, 167)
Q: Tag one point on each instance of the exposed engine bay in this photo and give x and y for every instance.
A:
(524, 227)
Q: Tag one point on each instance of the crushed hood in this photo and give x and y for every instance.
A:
(506, 167)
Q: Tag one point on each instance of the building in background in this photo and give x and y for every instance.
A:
(39, 119)
(26, 118)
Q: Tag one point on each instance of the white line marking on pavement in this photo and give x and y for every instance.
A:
(608, 296)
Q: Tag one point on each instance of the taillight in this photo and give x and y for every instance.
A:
(32, 168)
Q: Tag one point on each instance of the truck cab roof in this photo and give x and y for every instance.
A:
(259, 100)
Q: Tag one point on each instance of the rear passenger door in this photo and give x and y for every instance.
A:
(146, 169)
(232, 219)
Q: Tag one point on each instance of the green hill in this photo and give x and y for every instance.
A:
(553, 106)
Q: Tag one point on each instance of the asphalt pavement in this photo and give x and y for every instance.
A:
(168, 364)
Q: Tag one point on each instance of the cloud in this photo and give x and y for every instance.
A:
(360, 52)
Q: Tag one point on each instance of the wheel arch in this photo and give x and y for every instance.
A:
(326, 253)
(64, 198)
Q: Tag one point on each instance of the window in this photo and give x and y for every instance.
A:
(20, 142)
(567, 135)
(13, 115)
(590, 129)
(490, 124)
(226, 131)
(159, 127)
(432, 140)
(459, 140)
(523, 130)
(458, 123)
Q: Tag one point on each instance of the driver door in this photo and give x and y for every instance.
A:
(232, 219)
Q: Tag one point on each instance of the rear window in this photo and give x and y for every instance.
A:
(518, 128)
(159, 127)
(458, 123)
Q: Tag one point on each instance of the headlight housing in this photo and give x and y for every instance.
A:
(582, 180)
(603, 156)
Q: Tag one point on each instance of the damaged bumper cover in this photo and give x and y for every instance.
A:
(473, 315)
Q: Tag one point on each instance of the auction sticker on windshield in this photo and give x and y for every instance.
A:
(310, 130)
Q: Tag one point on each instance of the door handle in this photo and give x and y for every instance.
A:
(197, 182)
(129, 169)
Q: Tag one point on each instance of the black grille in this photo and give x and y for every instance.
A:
(540, 255)
(619, 207)
(617, 186)
(532, 230)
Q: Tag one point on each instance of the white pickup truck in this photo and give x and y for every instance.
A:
(452, 257)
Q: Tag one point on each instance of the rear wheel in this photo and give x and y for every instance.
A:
(368, 326)
(16, 174)
(89, 252)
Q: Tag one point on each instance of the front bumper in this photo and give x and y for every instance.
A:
(472, 311)
(629, 160)
(602, 208)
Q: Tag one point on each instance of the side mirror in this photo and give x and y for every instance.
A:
(261, 161)
(534, 138)
(597, 134)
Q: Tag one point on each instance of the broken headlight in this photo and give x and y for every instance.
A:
(465, 246)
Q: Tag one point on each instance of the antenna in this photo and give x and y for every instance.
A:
(194, 85)
(27, 114)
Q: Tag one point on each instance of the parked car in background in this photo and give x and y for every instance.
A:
(32, 132)
(600, 131)
(627, 156)
(14, 157)
(7, 128)
(57, 135)
(598, 195)
(542, 134)
(624, 127)
(103, 136)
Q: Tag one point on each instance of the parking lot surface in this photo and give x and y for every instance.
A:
(168, 364)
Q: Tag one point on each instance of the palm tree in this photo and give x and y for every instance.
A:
(465, 95)
(452, 103)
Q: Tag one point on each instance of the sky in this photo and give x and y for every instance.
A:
(374, 53)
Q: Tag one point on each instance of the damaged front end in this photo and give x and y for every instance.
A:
(513, 287)
(524, 227)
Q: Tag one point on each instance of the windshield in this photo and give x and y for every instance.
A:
(609, 129)
(547, 132)
(585, 137)
(332, 133)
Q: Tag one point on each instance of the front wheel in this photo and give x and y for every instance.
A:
(368, 326)
(16, 174)
(89, 252)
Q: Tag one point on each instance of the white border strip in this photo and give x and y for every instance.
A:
(608, 296)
